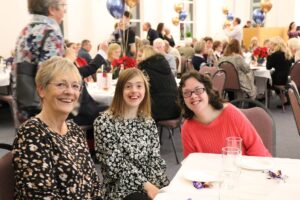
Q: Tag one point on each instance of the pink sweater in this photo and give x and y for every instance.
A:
(210, 138)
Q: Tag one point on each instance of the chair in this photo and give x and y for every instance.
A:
(13, 108)
(295, 73)
(208, 70)
(262, 120)
(218, 81)
(295, 103)
(171, 125)
(232, 82)
(7, 181)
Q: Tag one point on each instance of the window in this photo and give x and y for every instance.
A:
(186, 26)
(136, 19)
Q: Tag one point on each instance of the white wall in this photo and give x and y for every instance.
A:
(13, 17)
(89, 19)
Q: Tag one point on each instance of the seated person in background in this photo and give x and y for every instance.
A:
(169, 37)
(294, 46)
(281, 60)
(127, 142)
(83, 52)
(187, 50)
(159, 45)
(217, 48)
(233, 54)
(209, 120)
(113, 53)
(292, 31)
(50, 156)
(163, 87)
(198, 59)
(209, 50)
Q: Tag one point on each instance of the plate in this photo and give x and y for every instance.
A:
(255, 164)
(201, 175)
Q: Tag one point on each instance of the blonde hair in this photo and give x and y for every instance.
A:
(111, 48)
(199, 46)
(294, 44)
(148, 51)
(117, 107)
(280, 45)
(53, 67)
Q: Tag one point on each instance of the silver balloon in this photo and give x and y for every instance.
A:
(116, 8)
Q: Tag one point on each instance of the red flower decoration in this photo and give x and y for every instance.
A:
(260, 52)
(125, 62)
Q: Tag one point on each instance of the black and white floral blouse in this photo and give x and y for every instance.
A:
(129, 153)
(51, 166)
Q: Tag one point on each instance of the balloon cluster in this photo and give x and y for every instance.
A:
(229, 15)
(117, 7)
(178, 7)
(258, 15)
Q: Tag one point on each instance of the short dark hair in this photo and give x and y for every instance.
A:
(41, 7)
(238, 20)
(127, 14)
(85, 42)
(216, 44)
(214, 98)
(207, 38)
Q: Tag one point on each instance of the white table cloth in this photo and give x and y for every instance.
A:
(253, 185)
(4, 76)
(100, 95)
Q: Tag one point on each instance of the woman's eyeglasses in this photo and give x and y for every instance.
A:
(197, 91)
(65, 85)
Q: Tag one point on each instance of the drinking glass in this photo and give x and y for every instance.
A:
(235, 142)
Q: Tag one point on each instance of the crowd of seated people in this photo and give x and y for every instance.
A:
(126, 134)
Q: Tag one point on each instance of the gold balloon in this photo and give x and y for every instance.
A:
(131, 3)
(265, 5)
(225, 10)
(175, 20)
(178, 7)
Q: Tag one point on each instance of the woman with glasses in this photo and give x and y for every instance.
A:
(50, 155)
(209, 120)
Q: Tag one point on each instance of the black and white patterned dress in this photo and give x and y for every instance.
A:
(129, 153)
(51, 166)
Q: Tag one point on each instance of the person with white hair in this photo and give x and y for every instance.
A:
(159, 45)
(187, 50)
(294, 46)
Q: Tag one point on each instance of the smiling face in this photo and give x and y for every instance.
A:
(134, 92)
(61, 94)
(196, 102)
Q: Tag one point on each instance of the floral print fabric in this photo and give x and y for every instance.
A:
(128, 150)
(51, 166)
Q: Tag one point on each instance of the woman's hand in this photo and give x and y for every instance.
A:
(151, 189)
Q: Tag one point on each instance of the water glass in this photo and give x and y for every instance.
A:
(230, 156)
(235, 142)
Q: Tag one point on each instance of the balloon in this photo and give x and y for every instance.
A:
(266, 5)
(230, 16)
(258, 16)
(178, 7)
(116, 8)
(131, 3)
(227, 23)
(182, 15)
(225, 10)
(175, 21)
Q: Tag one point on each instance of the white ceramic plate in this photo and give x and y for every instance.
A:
(252, 164)
(201, 175)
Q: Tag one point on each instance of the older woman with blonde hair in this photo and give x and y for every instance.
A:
(294, 46)
(50, 155)
(198, 58)
(280, 60)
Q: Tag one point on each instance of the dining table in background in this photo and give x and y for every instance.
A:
(253, 183)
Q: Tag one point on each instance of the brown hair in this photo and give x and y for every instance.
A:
(213, 96)
(216, 44)
(233, 47)
(117, 107)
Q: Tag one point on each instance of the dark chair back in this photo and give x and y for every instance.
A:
(7, 181)
(232, 78)
(218, 81)
(295, 103)
(261, 119)
(295, 73)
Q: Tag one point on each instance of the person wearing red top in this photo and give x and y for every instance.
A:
(209, 120)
